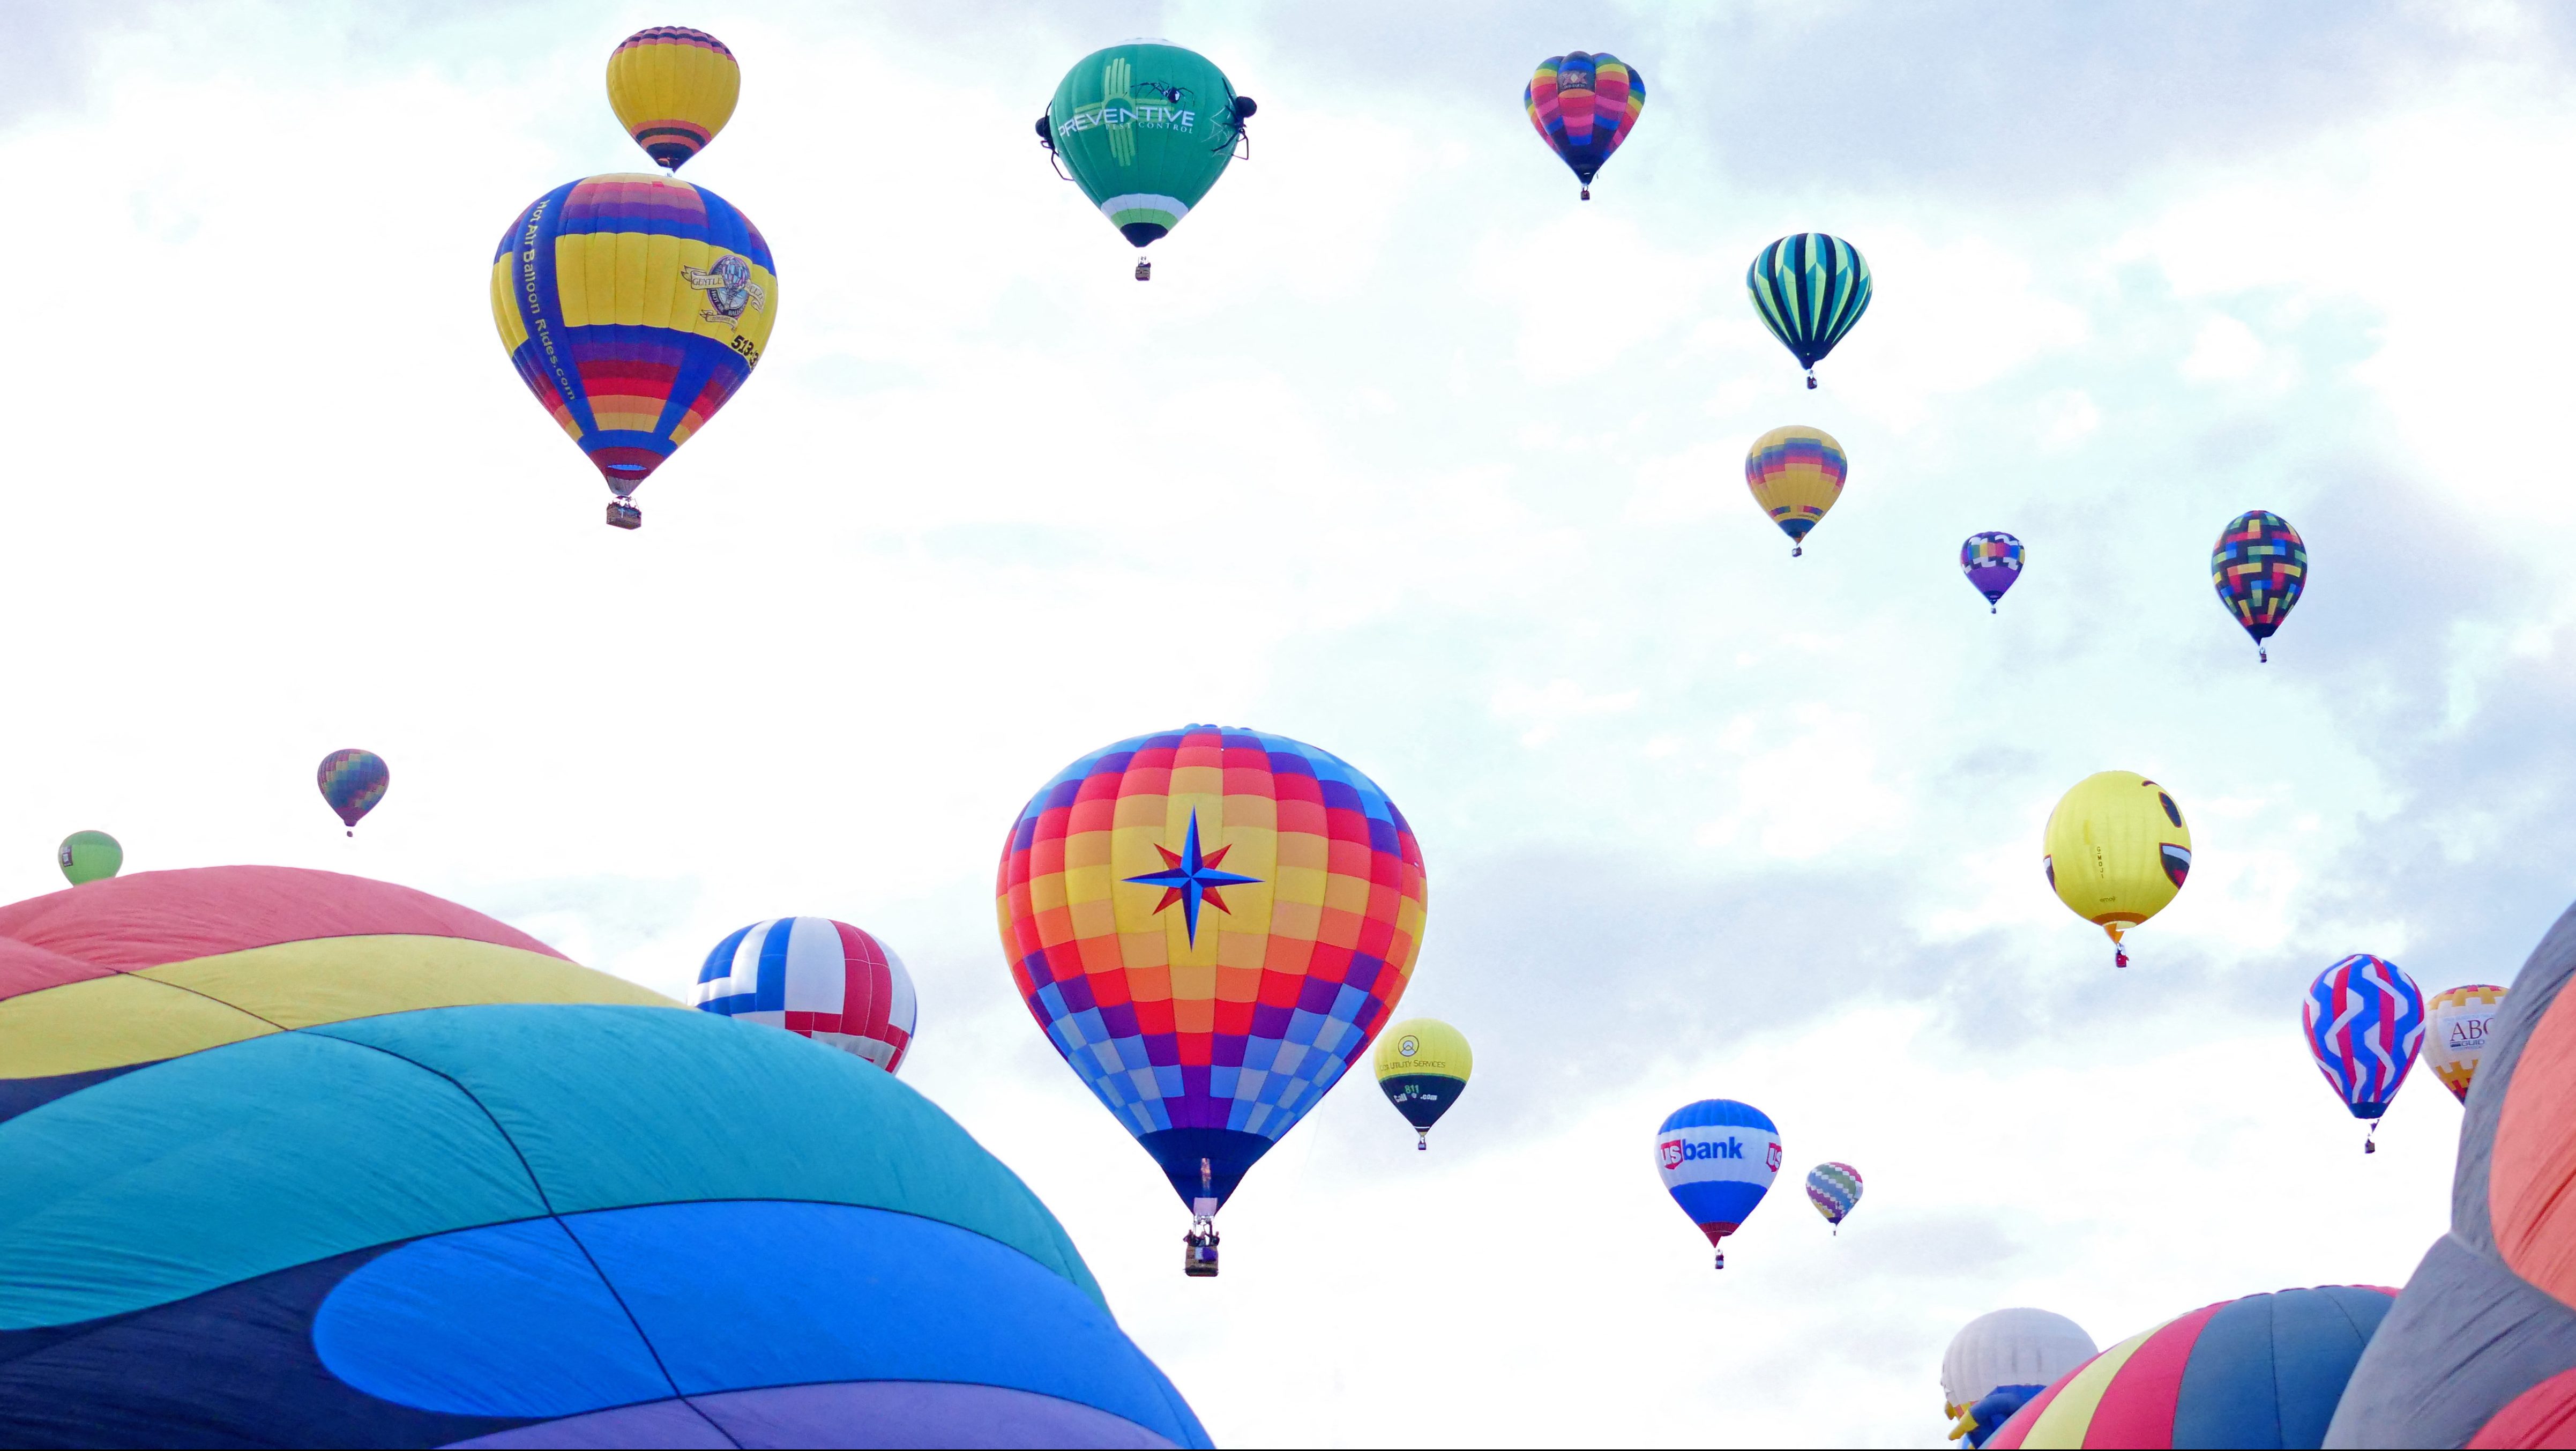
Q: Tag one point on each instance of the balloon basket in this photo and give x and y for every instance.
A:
(1811, 380)
(1198, 1249)
(1422, 1140)
(623, 515)
(1145, 273)
(1721, 1259)
(1587, 194)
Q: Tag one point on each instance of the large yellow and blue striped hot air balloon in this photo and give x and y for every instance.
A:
(673, 89)
(2117, 852)
(633, 307)
(1796, 473)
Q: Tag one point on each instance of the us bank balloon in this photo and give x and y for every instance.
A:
(2116, 851)
(2456, 1024)
(633, 307)
(1809, 289)
(1145, 128)
(1211, 924)
(2364, 1018)
(1796, 473)
(1584, 106)
(1718, 1158)
(1422, 1067)
(673, 89)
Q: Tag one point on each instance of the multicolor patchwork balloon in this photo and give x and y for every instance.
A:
(816, 978)
(89, 856)
(1718, 1158)
(1584, 106)
(1422, 1066)
(2259, 569)
(1834, 1188)
(1809, 288)
(673, 89)
(2457, 1023)
(2364, 1019)
(1211, 924)
(1145, 129)
(1992, 563)
(352, 782)
(633, 308)
(1796, 473)
(2115, 852)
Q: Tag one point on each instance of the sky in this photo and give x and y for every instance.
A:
(1406, 453)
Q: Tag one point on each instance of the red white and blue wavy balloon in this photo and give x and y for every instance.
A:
(2365, 1019)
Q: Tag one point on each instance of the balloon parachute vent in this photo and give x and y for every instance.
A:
(623, 515)
(1144, 269)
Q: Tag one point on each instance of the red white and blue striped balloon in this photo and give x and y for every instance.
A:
(2365, 1019)
(817, 978)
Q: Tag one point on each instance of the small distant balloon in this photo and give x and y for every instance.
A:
(2456, 1026)
(1422, 1066)
(2365, 1020)
(2116, 851)
(673, 89)
(1718, 1158)
(1796, 473)
(89, 856)
(1809, 290)
(1584, 106)
(353, 781)
(816, 978)
(1834, 1188)
(2259, 569)
(1992, 563)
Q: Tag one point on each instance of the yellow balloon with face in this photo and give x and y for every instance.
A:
(2116, 851)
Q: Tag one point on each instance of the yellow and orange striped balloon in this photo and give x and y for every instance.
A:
(673, 89)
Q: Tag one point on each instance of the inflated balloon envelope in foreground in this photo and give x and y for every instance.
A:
(295, 1158)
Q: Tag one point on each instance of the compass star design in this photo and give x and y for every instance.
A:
(1190, 877)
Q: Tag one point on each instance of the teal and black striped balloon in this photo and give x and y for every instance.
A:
(1810, 289)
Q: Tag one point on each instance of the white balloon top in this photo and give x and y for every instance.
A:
(2009, 1348)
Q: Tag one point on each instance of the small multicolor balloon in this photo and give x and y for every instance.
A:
(2457, 1023)
(1833, 1187)
(2365, 1019)
(353, 781)
(1584, 106)
(1809, 289)
(88, 856)
(1796, 473)
(1992, 563)
(2259, 569)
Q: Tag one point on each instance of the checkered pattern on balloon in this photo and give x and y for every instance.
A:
(2259, 568)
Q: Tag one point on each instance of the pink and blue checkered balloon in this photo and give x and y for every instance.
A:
(352, 782)
(2365, 1019)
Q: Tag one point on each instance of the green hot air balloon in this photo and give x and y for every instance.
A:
(87, 856)
(1145, 128)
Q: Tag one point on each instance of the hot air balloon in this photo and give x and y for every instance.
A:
(673, 89)
(1584, 106)
(1834, 1188)
(304, 1159)
(1210, 924)
(1796, 474)
(816, 978)
(2263, 1371)
(352, 782)
(1992, 563)
(2001, 1359)
(1718, 1158)
(1422, 1067)
(2116, 851)
(2259, 568)
(2456, 1024)
(2364, 1019)
(1809, 289)
(89, 856)
(1145, 128)
(633, 308)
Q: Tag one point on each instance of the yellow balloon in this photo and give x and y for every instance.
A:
(1422, 1067)
(2117, 852)
(673, 89)
(1795, 473)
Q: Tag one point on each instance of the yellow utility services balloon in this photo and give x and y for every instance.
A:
(1422, 1067)
(2117, 851)
(1795, 473)
(673, 89)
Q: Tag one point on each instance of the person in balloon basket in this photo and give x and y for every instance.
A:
(1198, 1250)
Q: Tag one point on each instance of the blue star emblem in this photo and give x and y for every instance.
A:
(1190, 877)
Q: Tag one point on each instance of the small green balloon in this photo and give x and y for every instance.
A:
(1145, 128)
(87, 856)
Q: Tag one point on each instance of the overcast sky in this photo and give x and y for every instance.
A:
(1405, 453)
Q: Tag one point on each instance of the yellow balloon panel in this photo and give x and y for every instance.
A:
(1423, 1045)
(673, 89)
(2116, 849)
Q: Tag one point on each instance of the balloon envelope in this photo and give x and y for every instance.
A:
(88, 856)
(1809, 289)
(633, 307)
(2019, 1346)
(1718, 1158)
(2364, 1019)
(1145, 128)
(1796, 473)
(2456, 1025)
(1210, 924)
(1422, 1066)
(352, 782)
(1992, 563)
(673, 89)
(1834, 1188)
(1584, 106)
(2116, 851)
(2259, 569)
(816, 978)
